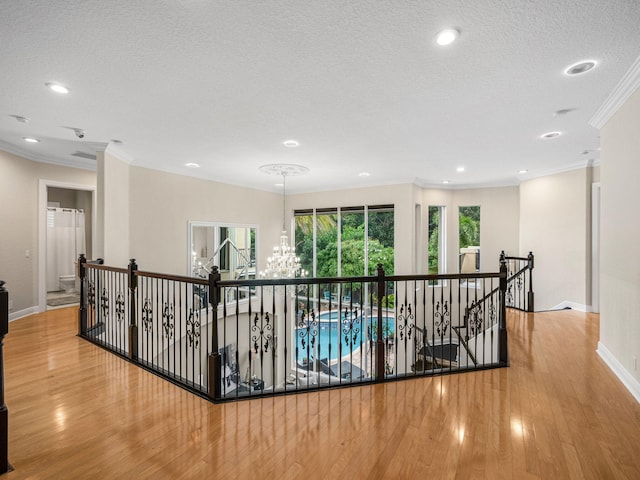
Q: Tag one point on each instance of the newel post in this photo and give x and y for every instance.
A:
(502, 325)
(133, 321)
(82, 311)
(380, 353)
(214, 365)
(4, 413)
(530, 304)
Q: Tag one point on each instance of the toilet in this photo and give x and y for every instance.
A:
(67, 283)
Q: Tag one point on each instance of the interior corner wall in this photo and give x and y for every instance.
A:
(19, 184)
(619, 234)
(112, 225)
(499, 227)
(162, 204)
(554, 225)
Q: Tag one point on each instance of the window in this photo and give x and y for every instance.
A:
(436, 255)
(355, 238)
(469, 239)
(380, 239)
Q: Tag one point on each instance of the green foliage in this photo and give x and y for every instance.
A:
(469, 226)
(469, 231)
(434, 237)
(352, 246)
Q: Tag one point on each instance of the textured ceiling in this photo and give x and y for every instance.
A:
(359, 83)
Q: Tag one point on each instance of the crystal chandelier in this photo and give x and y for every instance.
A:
(283, 263)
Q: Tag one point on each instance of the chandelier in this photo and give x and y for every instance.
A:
(283, 263)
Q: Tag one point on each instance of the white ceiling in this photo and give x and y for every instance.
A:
(359, 83)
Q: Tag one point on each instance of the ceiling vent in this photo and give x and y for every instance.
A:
(86, 155)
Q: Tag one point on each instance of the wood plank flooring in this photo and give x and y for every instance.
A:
(76, 411)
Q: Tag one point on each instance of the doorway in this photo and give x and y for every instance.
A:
(67, 226)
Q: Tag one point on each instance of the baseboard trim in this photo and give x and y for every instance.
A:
(619, 371)
(23, 313)
(573, 306)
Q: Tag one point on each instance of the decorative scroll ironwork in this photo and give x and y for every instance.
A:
(307, 329)
(442, 320)
(262, 337)
(167, 317)
(104, 302)
(147, 315)
(509, 295)
(91, 294)
(404, 327)
(475, 317)
(493, 313)
(351, 325)
(193, 328)
(120, 307)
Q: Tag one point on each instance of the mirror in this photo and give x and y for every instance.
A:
(232, 248)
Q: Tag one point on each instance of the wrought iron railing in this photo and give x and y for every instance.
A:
(288, 336)
(520, 293)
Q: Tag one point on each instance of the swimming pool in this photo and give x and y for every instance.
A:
(331, 333)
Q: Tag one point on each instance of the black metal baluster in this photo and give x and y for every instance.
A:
(433, 324)
(223, 357)
(451, 329)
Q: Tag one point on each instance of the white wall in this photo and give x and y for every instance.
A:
(620, 231)
(162, 204)
(554, 225)
(19, 184)
(112, 226)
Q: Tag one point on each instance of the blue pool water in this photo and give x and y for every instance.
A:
(330, 333)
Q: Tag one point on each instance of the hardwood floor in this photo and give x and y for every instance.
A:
(77, 411)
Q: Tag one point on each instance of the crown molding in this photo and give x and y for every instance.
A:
(36, 157)
(629, 83)
(555, 171)
(117, 152)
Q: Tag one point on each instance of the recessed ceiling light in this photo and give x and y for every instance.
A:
(364, 174)
(31, 140)
(460, 169)
(523, 171)
(192, 165)
(445, 181)
(447, 36)
(580, 67)
(291, 143)
(56, 87)
(551, 135)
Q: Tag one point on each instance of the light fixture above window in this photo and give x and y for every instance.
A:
(56, 87)
(283, 263)
(447, 36)
(31, 140)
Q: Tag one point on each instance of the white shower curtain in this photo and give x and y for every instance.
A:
(65, 242)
